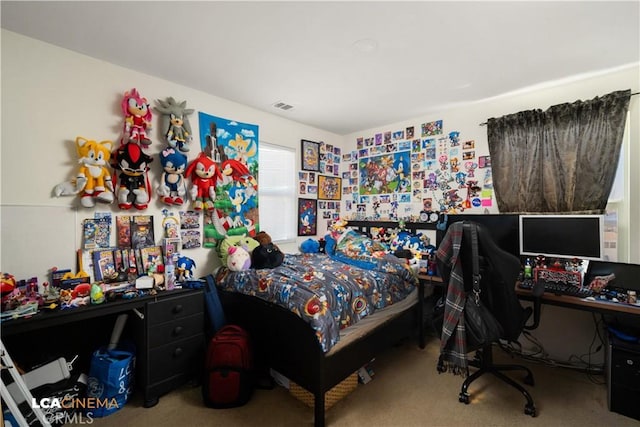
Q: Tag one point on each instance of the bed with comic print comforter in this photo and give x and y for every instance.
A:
(329, 294)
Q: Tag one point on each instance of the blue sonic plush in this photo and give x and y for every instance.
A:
(184, 268)
(172, 188)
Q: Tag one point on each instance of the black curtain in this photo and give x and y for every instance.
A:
(563, 159)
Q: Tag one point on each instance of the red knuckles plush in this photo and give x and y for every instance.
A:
(204, 174)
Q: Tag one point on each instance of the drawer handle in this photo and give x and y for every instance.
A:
(177, 309)
(177, 352)
(177, 330)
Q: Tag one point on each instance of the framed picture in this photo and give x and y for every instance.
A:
(310, 155)
(329, 187)
(307, 217)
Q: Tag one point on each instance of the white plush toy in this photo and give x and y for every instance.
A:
(238, 259)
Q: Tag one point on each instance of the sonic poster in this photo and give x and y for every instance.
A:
(234, 147)
(388, 173)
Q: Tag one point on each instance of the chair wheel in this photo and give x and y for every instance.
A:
(530, 410)
(463, 398)
(528, 380)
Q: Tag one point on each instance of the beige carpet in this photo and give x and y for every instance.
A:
(406, 391)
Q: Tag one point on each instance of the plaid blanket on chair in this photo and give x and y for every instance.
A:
(453, 354)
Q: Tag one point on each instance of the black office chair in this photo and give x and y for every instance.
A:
(499, 271)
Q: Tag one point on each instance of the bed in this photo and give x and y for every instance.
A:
(293, 339)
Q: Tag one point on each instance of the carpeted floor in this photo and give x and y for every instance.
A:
(406, 391)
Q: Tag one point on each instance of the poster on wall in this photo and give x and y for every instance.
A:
(307, 217)
(388, 173)
(329, 187)
(233, 145)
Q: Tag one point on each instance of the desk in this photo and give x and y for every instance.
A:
(604, 307)
(167, 330)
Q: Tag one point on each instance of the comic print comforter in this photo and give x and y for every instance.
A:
(328, 294)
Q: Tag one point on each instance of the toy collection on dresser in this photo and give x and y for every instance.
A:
(202, 194)
(205, 191)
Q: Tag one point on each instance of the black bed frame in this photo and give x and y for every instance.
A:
(284, 342)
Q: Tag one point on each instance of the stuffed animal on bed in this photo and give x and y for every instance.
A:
(266, 256)
(263, 238)
(310, 246)
(248, 243)
(93, 180)
(238, 259)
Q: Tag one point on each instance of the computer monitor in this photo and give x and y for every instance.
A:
(502, 227)
(562, 236)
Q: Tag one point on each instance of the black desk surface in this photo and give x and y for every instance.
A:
(45, 319)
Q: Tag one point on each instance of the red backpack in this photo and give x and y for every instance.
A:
(228, 373)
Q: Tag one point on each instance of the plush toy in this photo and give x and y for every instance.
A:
(238, 259)
(137, 118)
(263, 238)
(94, 177)
(266, 256)
(310, 246)
(133, 186)
(204, 174)
(248, 243)
(172, 188)
(184, 268)
(174, 122)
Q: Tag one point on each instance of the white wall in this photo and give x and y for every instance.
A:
(563, 332)
(467, 119)
(51, 95)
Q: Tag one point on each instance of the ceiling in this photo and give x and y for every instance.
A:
(344, 66)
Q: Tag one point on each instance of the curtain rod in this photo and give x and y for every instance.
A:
(485, 123)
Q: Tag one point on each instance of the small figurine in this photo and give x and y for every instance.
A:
(137, 118)
(175, 122)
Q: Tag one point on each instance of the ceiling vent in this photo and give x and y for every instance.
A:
(282, 106)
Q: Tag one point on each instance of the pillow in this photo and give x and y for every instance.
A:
(248, 243)
(266, 256)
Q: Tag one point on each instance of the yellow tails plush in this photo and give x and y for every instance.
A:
(93, 181)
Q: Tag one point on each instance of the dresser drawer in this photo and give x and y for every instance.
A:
(175, 308)
(177, 358)
(184, 327)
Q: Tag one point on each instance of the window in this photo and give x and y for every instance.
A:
(276, 191)
(618, 206)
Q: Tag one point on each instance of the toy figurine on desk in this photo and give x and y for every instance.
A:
(184, 269)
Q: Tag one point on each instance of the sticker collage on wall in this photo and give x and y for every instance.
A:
(411, 173)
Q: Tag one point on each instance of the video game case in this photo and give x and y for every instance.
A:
(104, 265)
(142, 234)
(123, 230)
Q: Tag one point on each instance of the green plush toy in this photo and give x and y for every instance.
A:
(246, 242)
